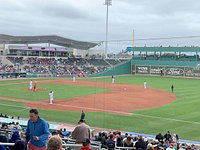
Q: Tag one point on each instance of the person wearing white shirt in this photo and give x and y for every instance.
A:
(145, 84)
(113, 80)
(30, 85)
(51, 97)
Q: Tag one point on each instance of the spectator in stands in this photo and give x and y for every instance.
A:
(182, 146)
(167, 136)
(171, 147)
(194, 147)
(65, 132)
(54, 133)
(86, 144)
(175, 138)
(150, 147)
(17, 126)
(119, 142)
(37, 131)
(15, 137)
(81, 132)
(159, 137)
(60, 133)
(140, 144)
(128, 142)
(19, 145)
(3, 139)
(11, 126)
(54, 143)
(103, 137)
(110, 143)
(166, 144)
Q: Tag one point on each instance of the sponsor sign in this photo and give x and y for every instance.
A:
(174, 71)
(143, 69)
(192, 72)
(156, 70)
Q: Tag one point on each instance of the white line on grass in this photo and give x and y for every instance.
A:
(170, 119)
(112, 111)
(14, 106)
(103, 110)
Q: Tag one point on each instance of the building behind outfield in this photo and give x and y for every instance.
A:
(43, 46)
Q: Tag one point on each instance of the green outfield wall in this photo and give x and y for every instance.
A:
(120, 69)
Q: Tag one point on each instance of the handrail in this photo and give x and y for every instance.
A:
(7, 144)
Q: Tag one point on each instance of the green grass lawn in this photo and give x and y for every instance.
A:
(181, 116)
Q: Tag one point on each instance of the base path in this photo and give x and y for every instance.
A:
(123, 98)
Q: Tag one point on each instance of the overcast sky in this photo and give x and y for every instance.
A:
(85, 19)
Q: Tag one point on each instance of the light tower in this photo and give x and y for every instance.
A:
(107, 3)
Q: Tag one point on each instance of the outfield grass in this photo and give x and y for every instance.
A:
(181, 117)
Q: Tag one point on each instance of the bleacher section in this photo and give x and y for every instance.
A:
(99, 140)
(59, 67)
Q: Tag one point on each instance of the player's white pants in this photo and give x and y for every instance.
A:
(113, 80)
(51, 101)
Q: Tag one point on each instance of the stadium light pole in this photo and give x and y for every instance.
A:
(107, 3)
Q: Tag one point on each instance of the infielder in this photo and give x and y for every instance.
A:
(51, 97)
(145, 84)
(30, 85)
(113, 79)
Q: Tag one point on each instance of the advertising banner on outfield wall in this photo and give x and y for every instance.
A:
(192, 72)
(174, 71)
(167, 70)
(157, 70)
(142, 69)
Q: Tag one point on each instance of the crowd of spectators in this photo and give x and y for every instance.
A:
(8, 68)
(116, 139)
(58, 67)
(13, 132)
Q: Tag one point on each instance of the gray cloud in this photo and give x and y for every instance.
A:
(85, 19)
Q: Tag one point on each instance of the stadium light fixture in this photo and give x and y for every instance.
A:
(107, 3)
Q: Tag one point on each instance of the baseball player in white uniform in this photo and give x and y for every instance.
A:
(30, 85)
(51, 97)
(145, 84)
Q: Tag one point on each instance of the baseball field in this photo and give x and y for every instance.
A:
(125, 105)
